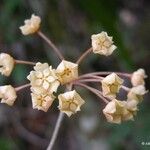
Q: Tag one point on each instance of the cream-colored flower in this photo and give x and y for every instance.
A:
(67, 71)
(117, 111)
(43, 79)
(70, 102)
(7, 94)
(42, 101)
(6, 64)
(31, 26)
(138, 77)
(102, 44)
(114, 110)
(137, 93)
(111, 85)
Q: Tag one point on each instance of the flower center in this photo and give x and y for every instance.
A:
(113, 88)
(67, 71)
(69, 105)
(40, 101)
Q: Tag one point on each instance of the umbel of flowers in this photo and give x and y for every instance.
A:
(45, 80)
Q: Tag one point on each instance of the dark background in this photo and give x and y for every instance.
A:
(70, 25)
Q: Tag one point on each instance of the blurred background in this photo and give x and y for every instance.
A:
(70, 25)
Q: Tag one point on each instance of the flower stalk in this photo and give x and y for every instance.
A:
(51, 44)
(17, 89)
(128, 75)
(93, 90)
(84, 55)
(56, 130)
(25, 62)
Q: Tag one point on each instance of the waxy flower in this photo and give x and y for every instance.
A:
(70, 102)
(111, 85)
(117, 111)
(42, 101)
(31, 25)
(6, 64)
(102, 44)
(113, 111)
(137, 93)
(7, 94)
(43, 79)
(138, 77)
(67, 71)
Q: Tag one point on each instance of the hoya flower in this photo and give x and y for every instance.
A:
(7, 94)
(70, 102)
(138, 77)
(31, 26)
(114, 110)
(117, 111)
(111, 85)
(42, 101)
(6, 64)
(67, 71)
(102, 44)
(43, 78)
(136, 93)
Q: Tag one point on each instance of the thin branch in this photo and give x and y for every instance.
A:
(56, 130)
(125, 88)
(88, 80)
(51, 44)
(58, 124)
(84, 55)
(22, 87)
(106, 73)
(25, 62)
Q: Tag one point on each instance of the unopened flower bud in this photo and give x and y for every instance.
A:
(7, 94)
(6, 64)
(31, 25)
(137, 93)
(138, 77)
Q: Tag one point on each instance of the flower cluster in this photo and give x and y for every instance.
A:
(45, 80)
(117, 111)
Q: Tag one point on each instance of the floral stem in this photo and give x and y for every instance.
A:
(51, 44)
(128, 75)
(125, 88)
(56, 130)
(22, 87)
(58, 123)
(93, 90)
(84, 55)
(88, 80)
(25, 62)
